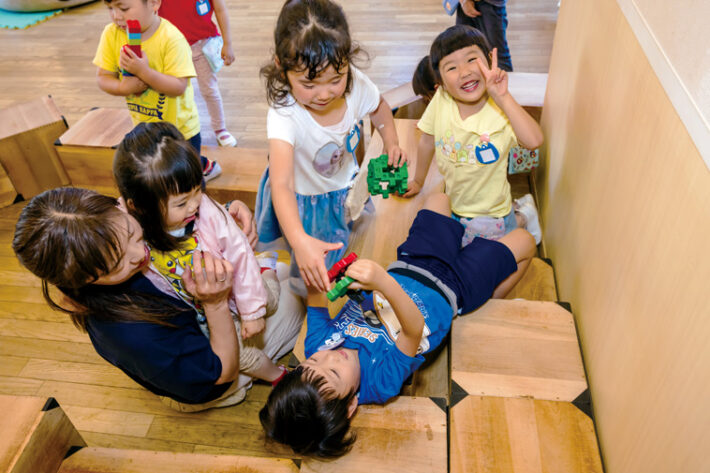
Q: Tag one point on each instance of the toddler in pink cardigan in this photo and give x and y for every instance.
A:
(160, 179)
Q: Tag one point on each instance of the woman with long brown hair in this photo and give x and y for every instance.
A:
(93, 252)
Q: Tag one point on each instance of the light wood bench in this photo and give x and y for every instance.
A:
(88, 147)
(507, 435)
(36, 434)
(114, 460)
(517, 348)
(27, 134)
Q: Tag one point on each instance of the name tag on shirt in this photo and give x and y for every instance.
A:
(203, 7)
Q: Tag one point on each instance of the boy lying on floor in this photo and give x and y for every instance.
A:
(366, 353)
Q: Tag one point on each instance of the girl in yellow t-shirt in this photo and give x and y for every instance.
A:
(471, 123)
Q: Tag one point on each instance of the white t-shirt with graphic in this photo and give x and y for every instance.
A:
(322, 162)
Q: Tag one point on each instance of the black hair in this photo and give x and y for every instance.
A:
(68, 237)
(424, 80)
(309, 418)
(152, 163)
(310, 35)
(454, 38)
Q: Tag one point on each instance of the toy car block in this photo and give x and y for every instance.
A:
(379, 173)
(340, 288)
(338, 269)
(133, 30)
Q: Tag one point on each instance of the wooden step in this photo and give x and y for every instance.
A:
(27, 134)
(528, 88)
(537, 284)
(408, 434)
(516, 348)
(114, 460)
(36, 434)
(87, 149)
(507, 435)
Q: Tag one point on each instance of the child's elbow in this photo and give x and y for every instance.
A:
(533, 142)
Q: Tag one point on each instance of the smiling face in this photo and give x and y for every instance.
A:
(182, 208)
(145, 11)
(339, 367)
(135, 254)
(322, 93)
(461, 76)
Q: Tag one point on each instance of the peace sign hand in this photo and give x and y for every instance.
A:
(496, 78)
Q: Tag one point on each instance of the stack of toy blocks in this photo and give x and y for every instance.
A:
(379, 172)
(133, 28)
(338, 272)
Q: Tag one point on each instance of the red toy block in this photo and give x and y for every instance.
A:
(339, 268)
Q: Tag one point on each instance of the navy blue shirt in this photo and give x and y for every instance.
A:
(177, 361)
(383, 368)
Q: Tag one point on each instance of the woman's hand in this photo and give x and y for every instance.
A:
(367, 274)
(496, 78)
(310, 257)
(209, 279)
(244, 218)
(252, 327)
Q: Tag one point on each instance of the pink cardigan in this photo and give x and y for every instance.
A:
(219, 235)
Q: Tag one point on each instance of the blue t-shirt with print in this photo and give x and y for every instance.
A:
(383, 368)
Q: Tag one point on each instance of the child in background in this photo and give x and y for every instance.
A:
(365, 354)
(194, 19)
(471, 124)
(490, 18)
(424, 80)
(317, 100)
(159, 176)
(159, 88)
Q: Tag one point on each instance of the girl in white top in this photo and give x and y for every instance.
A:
(317, 99)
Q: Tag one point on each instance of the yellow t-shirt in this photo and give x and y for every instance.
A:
(169, 53)
(475, 175)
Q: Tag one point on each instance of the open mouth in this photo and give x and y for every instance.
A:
(470, 86)
(189, 219)
(147, 257)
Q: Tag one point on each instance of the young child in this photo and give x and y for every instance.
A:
(367, 351)
(159, 177)
(471, 123)
(317, 100)
(194, 19)
(159, 88)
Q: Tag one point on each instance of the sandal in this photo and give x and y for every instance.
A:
(225, 138)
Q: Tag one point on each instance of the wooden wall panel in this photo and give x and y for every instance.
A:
(625, 200)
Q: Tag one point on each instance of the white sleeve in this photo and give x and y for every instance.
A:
(281, 126)
(365, 94)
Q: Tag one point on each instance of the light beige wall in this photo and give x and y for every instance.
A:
(625, 201)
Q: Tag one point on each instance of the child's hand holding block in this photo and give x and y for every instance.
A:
(133, 29)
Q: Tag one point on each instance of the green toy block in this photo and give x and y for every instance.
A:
(379, 173)
(340, 288)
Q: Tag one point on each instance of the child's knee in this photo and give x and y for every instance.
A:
(439, 203)
(521, 243)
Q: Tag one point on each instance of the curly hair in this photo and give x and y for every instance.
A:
(310, 35)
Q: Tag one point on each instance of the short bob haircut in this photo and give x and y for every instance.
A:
(310, 419)
(310, 35)
(451, 40)
(152, 163)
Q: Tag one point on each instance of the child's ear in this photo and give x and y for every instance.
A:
(130, 205)
(155, 5)
(277, 62)
(352, 407)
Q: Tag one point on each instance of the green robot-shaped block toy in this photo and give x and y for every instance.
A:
(383, 179)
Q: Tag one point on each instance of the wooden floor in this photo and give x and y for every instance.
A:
(55, 57)
(41, 353)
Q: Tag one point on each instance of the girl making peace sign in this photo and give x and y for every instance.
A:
(471, 124)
